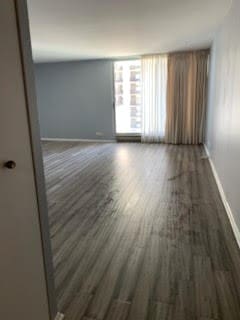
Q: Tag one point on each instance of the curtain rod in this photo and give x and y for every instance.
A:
(136, 57)
(176, 52)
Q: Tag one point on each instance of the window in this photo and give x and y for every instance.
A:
(127, 81)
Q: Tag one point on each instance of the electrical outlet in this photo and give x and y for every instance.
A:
(99, 134)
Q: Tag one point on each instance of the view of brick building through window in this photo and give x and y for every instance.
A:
(127, 76)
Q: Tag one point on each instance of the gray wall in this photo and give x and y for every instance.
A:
(223, 119)
(75, 99)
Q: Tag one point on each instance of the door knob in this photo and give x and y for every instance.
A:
(10, 164)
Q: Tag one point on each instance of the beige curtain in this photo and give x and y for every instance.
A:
(186, 97)
(154, 97)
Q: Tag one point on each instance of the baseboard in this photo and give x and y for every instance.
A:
(228, 209)
(59, 316)
(78, 140)
(128, 139)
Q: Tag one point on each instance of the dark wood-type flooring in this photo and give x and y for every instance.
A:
(139, 233)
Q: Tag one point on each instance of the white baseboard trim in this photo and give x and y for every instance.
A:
(59, 316)
(228, 209)
(78, 140)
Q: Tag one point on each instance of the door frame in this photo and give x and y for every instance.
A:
(34, 131)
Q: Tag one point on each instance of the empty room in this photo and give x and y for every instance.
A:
(127, 138)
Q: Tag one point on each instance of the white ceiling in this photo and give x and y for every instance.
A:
(93, 29)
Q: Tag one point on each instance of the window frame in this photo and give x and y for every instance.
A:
(128, 137)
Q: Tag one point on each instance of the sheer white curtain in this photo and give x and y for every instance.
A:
(154, 97)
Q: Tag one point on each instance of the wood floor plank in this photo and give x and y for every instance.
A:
(139, 232)
(118, 310)
(78, 306)
(230, 308)
(161, 311)
(205, 290)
